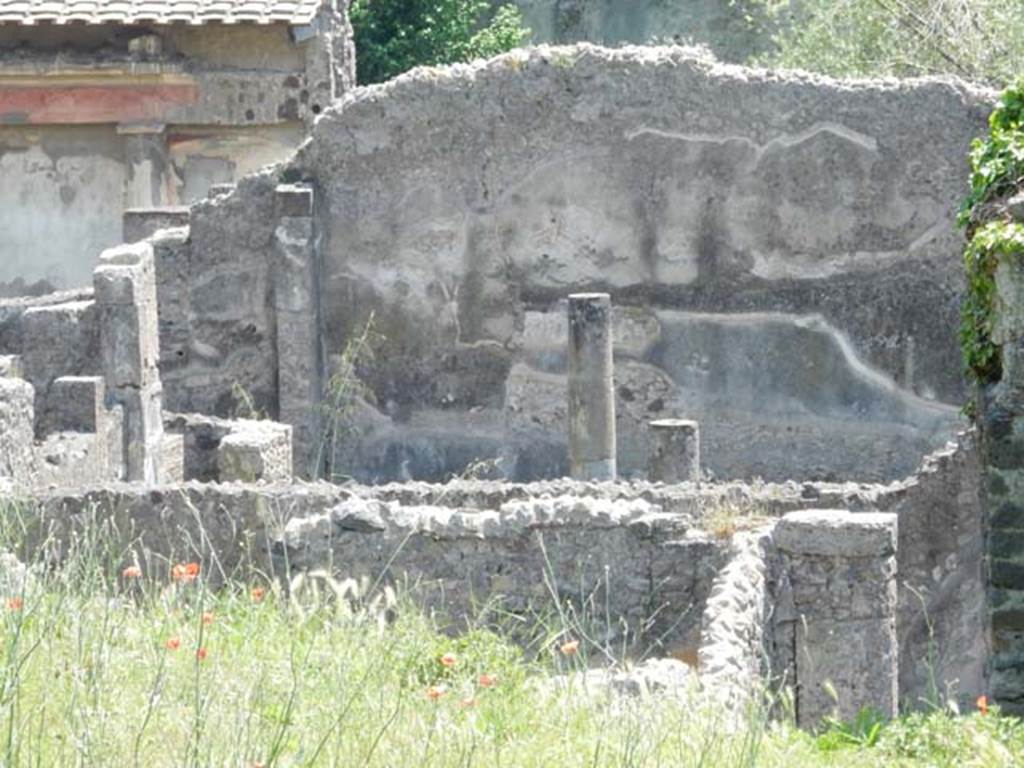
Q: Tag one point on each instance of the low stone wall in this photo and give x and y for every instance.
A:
(657, 556)
(626, 560)
(738, 634)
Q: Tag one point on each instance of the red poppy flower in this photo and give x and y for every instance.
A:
(982, 703)
(487, 681)
(449, 660)
(257, 594)
(185, 572)
(435, 692)
(132, 572)
(14, 604)
(173, 644)
(201, 654)
(570, 647)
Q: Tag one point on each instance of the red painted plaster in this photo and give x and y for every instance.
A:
(36, 104)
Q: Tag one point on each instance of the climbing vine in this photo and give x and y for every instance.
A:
(991, 243)
(997, 169)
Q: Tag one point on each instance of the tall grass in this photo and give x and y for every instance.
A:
(103, 666)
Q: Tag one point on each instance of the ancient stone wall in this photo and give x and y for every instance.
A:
(750, 611)
(780, 249)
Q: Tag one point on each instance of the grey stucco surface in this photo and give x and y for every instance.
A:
(789, 239)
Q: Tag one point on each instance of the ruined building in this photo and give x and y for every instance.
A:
(114, 106)
(783, 267)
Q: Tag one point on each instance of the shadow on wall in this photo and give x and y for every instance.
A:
(778, 396)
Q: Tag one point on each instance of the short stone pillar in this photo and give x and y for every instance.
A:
(296, 304)
(675, 451)
(591, 388)
(125, 290)
(256, 451)
(841, 567)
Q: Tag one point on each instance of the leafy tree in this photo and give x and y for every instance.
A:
(980, 40)
(393, 36)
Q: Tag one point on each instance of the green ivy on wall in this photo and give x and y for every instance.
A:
(997, 169)
(993, 242)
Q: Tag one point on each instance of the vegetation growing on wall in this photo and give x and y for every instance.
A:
(393, 36)
(980, 40)
(997, 169)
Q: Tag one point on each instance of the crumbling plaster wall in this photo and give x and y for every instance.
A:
(785, 243)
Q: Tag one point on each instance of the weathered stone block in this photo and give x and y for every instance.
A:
(841, 568)
(843, 666)
(140, 223)
(77, 404)
(258, 450)
(675, 451)
(837, 533)
(17, 414)
(126, 275)
(171, 465)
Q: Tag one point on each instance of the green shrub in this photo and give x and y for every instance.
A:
(997, 168)
(981, 40)
(393, 36)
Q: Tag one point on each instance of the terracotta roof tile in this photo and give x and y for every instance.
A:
(157, 11)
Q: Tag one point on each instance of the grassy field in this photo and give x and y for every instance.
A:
(104, 667)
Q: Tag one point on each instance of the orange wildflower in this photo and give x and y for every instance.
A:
(487, 681)
(14, 604)
(132, 572)
(982, 703)
(185, 572)
(435, 692)
(570, 647)
(201, 654)
(468, 703)
(449, 660)
(173, 644)
(257, 594)
(207, 618)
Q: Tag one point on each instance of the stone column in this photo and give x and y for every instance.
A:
(675, 451)
(125, 290)
(841, 568)
(591, 388)
(296, 304)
